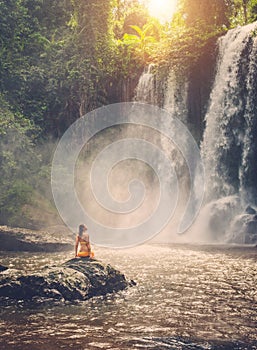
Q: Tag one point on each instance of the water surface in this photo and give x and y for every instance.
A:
(195, 295)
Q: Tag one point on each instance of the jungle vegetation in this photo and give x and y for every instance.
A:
(60, 59)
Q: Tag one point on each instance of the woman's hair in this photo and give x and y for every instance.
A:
(82, 228)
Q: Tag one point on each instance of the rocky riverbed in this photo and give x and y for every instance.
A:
(21, 239)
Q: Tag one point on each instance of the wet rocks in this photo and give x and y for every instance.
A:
(76, 279)
(216, 216)
(227, 221)
(178, 343)
(250, 210)
(19, 239)
(3, 268)
(243, 229)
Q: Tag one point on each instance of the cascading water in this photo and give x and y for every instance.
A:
(175, 92)
(172, 95)
(229, 146)
(146, 89)
(248, 169)
(176, 96)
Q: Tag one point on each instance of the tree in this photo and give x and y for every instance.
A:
(209, 12)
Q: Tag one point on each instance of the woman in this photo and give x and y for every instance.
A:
(82, 242)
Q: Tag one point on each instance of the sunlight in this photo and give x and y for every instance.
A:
(162, 9)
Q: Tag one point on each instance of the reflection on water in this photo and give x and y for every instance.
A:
(183, 292)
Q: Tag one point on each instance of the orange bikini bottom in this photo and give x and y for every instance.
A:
(86, 254)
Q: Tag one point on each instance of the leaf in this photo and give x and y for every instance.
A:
(137, 29)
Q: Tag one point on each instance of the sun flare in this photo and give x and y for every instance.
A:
(162, 9)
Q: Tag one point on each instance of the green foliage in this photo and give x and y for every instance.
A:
(184, 45)
(142, 41)
(12, 202)
(18, 162)
(80, 64)
(125, 14)
(209, 12)
(180, 43)
(253, 10)
(195, 25)
(56, 58)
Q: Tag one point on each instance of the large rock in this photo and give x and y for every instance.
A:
(243, 229)
(229, 222)
(222, 212)
(214, 219)
(76, 279)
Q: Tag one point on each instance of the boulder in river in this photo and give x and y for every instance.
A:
(243, 229)
(76, 279)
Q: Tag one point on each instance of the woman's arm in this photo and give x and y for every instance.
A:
(76, 246)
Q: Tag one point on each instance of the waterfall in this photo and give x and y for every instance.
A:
(229, 142)
(171, 94)
(146, 88)
(176, 97)
(228, 147)
(248, 169)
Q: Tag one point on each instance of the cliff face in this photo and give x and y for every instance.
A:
(200, 81)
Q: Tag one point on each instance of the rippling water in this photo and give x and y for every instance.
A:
(187, 297)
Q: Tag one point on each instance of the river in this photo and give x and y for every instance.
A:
(187, 297)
